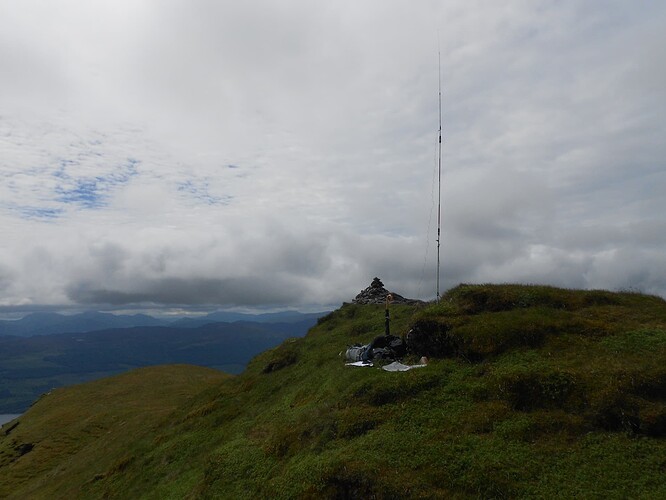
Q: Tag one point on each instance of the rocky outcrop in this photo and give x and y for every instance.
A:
(376, 294)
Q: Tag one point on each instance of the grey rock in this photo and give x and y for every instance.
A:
(376, 294)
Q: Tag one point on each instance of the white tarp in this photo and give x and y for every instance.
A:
(396, 366)
(359, 363)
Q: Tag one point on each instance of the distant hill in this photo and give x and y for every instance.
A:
(232, 317)
(45, 323)
(530, 392)
(33, 365)
(50, 323)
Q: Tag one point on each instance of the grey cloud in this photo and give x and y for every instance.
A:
(229, 292)
(268, 263)
(6, 277)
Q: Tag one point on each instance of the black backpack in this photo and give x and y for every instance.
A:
(387, 347)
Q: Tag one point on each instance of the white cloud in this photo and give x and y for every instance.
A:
(211, 154)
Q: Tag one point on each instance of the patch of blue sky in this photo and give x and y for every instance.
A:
(86, 192)
(129, 170)
(200, 191)
(38, 213)
(61, 171)
(92, 192)
(120, 176)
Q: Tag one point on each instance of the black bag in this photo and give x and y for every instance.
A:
(387, 347)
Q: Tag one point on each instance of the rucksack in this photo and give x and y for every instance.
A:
(381, 347)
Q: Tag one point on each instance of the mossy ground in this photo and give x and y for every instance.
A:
(533, 392)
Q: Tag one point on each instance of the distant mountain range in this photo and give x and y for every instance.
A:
(45, 323)
(48, 350)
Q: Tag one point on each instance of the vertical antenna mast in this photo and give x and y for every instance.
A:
(439, 166)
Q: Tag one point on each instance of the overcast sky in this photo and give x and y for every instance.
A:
(199, 154)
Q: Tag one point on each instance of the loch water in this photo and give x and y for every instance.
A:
(4, 418)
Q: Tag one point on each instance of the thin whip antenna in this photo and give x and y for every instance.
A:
(439, 165)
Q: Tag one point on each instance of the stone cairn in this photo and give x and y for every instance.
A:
(376, 294)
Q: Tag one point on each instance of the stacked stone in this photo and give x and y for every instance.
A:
(376, 294)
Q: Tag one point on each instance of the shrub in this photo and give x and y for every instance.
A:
(652, 417)
(431, 338)
(529, 389)
(391, 388)
(281, 357)
(353, 480)
(613, 410)
(487, 334)
(356, 421)
(637, 341)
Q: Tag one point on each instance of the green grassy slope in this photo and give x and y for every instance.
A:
(72, 431)
(531, 392)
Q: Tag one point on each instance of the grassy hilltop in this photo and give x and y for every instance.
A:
(530, 392)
